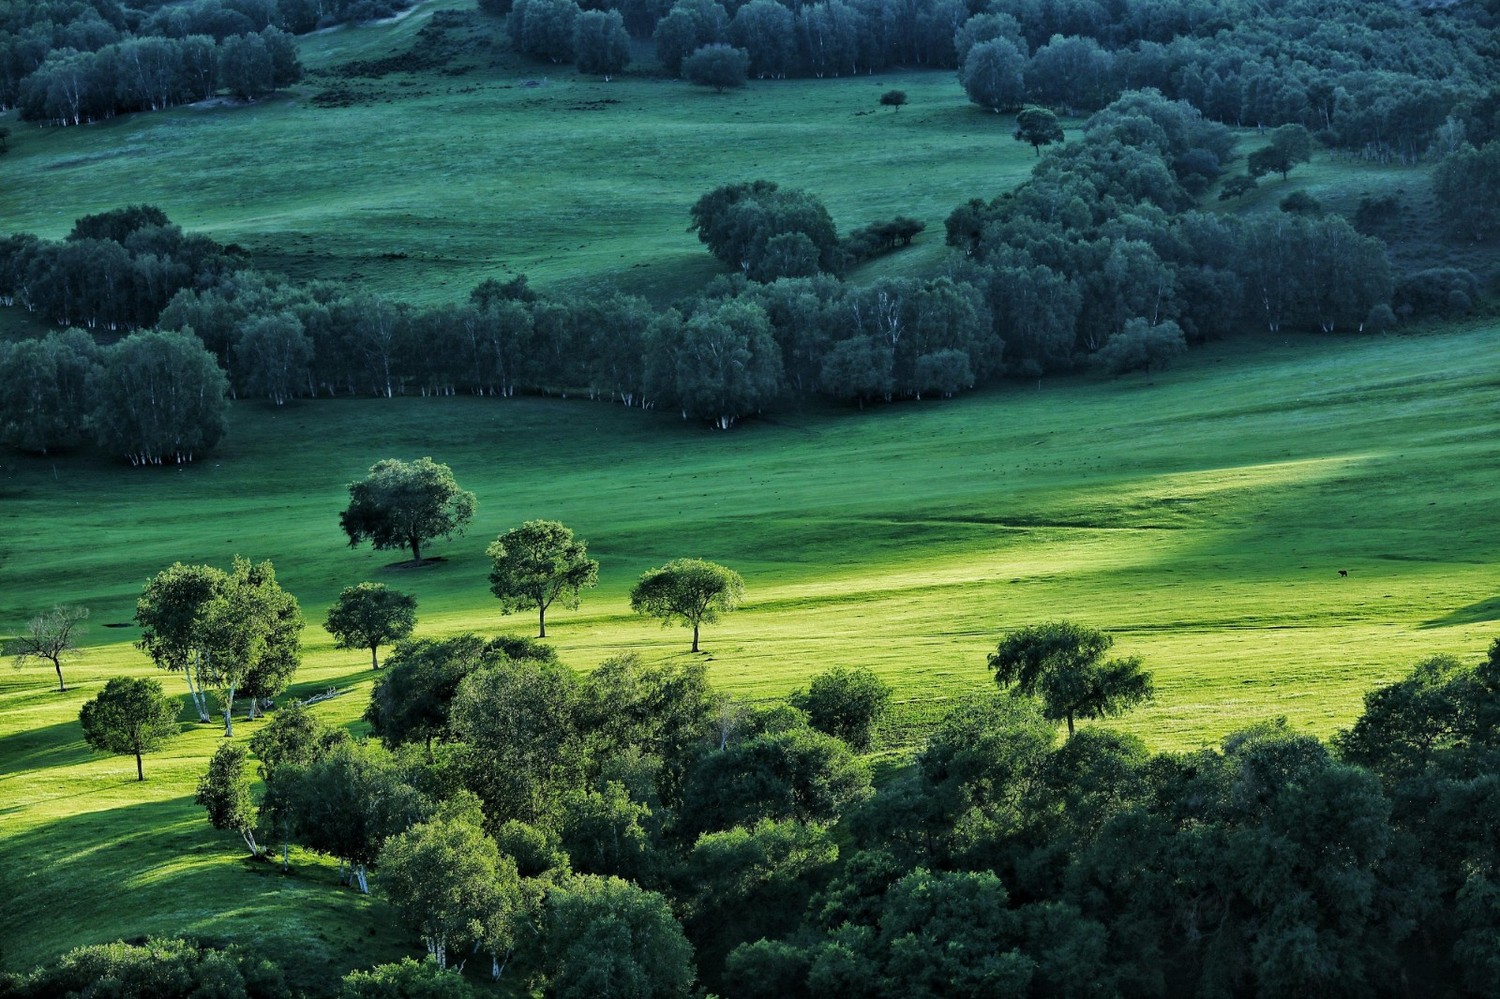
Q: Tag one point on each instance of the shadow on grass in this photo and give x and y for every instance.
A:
(156, 868)
(57, 745)
(1484, 610)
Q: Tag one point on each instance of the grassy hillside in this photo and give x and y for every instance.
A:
(428, 183)
(1202, 520)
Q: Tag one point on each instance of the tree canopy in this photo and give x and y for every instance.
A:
(689, 591)
(1064, 663)
(129, 717)
(370, 615)
(403, 505)
(539, 563)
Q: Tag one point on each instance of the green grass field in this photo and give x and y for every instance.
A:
(433, 183)
(1202, 520)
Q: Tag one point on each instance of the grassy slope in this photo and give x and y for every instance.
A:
(1202, 520)
(477, 176)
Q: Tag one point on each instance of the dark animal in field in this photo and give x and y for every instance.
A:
(1343, 572)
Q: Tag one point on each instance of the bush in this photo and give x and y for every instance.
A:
(846, 703)
(1301, 203)
(160, 969)
(407, 980)
(718, 66)
(1437, 291)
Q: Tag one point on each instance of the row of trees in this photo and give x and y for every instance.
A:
(81, 60)
(149, 74)
(1382, 83)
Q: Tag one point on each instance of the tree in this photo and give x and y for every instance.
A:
(608, 939)
(1064, 663)
(893, 99)
(370, 615)
(690, 590)
(445, 877)
(45, 385)
(406, 979)
(845, 703)
(1466, 185)
(601, 45)
(1039, 127)
(51, 636)
(130, 716)
(1140, 346)
(719, 66)
(227, 633)
(159, 397)
(991, 75)
(159, 968)
(1290, 145)
(403, 505)
(274, 355)
(538, 563)
(225, 792)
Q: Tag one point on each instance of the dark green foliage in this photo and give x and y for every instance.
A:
(546, 29)
(1237, 186)
(877, 238)
(720, 66)
(370, 615)
(158, 969)
(129, 717)
(1064, 664)
(790, 774)
(767, 969)
(893, 99)
(687, 591)
(407, 979)
(1140, 346)
(1466, 185)
(119, 223)
(1301, 203)
(600, 44)
(991, 75)
(1290, 145)
(412, 697)
(159, 397)
(688, 26)
(1039, 127)
(607, 939)
(403, 505)
(737, 221)
(224, 792)
(45, 391)
(1438, 291)
(538, 563)
(845, 703)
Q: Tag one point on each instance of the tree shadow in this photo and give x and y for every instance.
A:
(1484, 610)
(56, 745)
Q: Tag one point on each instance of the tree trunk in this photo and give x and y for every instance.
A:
(1070, 724)
(695, 636)
(374, 658)
(58, 666)
(286, 862)
(359, 876)
(139, 773)
(416, 549)
(541, 622)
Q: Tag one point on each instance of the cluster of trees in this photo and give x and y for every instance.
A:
(150, 398)
(1380, 82)
(83, 60)
(149, 74)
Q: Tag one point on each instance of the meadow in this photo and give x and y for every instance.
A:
(429, 183)
(1202, 520)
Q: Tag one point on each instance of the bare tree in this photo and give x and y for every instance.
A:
(51, 636)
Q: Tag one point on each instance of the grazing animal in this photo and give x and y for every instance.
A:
(1343, 572)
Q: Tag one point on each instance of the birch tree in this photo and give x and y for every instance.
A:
(225, 792)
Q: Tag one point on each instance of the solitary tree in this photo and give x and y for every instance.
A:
(1064, 663)
(130, 716)
(718, 66)
(51, 636)
(225, 792)
(537, 563)
(1039, 127)
(370, 615)
(1290, 145)
(405, 504)
(689, 590)
(893, 99)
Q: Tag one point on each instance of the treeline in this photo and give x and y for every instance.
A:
(635, 832)
(1101, 257)
(149, 74)
(80, 60)
(1382, 80)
